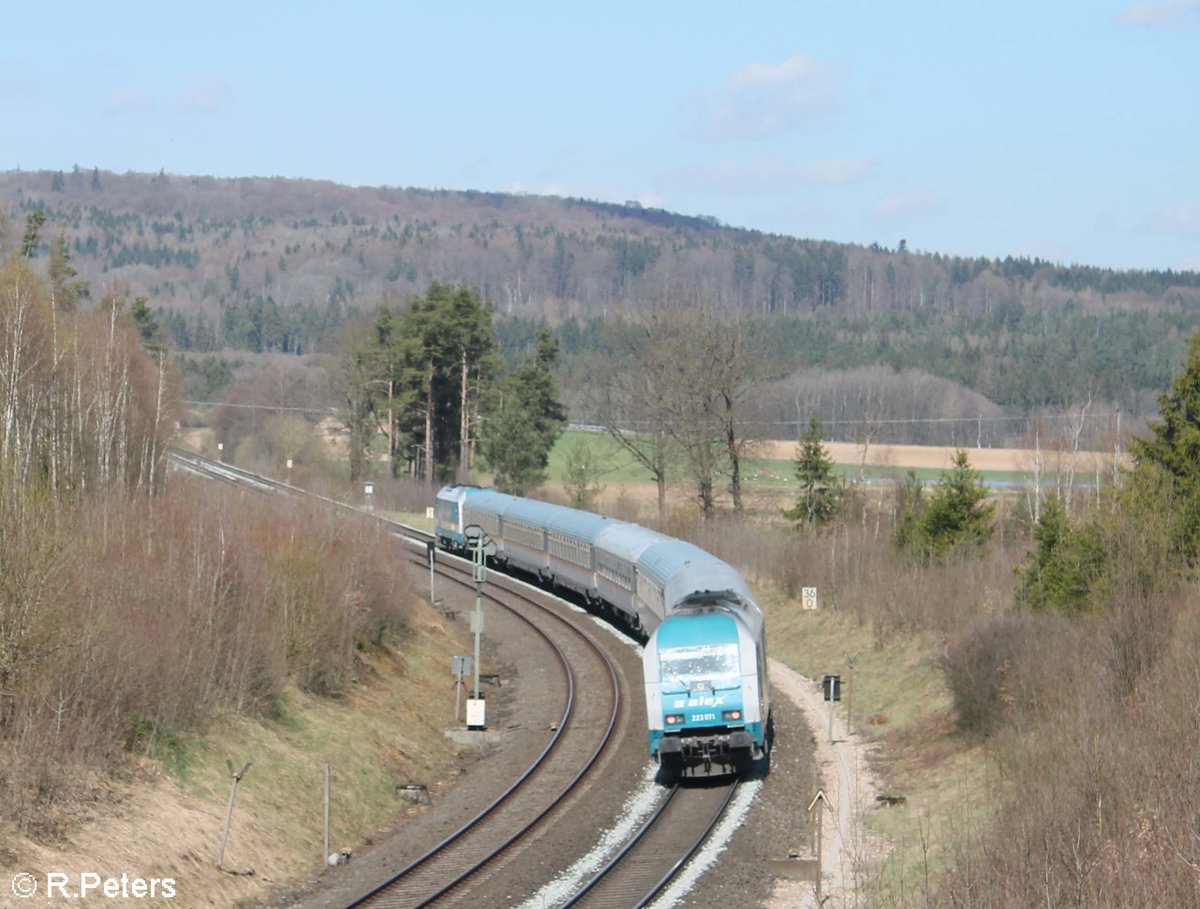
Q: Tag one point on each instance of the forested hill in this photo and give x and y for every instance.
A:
(277, 264)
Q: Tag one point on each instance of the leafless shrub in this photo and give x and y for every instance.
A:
(1098, 788)
(855, 568)
(1134, 633)
(624, 507)
(980, 667)
(124, 620)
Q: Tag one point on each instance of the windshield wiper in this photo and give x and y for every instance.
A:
(682, 684)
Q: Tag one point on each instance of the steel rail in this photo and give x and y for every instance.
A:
(379, 893)
(622, 859)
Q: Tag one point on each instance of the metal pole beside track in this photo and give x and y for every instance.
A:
(478, 607)
(234, 779)
(478, 539)
(851, 659)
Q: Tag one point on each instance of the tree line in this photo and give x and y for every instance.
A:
(277, 265)
(428, 379)
(82, 405)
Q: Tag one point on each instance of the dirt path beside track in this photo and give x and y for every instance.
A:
(850, 786)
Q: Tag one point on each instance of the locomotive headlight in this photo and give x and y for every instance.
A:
(728, 715)
(674, 719)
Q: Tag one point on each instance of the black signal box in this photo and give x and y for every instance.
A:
(831, 685)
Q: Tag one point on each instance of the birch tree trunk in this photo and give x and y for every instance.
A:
(464, 424)
(430, 404)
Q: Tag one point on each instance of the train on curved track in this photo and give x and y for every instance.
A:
(705, 656)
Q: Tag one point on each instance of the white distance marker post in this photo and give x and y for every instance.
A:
(431, 553)
(818, 798)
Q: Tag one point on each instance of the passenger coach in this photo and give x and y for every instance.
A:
(705, 669)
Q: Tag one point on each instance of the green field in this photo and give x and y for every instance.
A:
(619, 466)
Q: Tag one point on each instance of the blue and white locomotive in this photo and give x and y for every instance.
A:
(705, 669)
(705, 662)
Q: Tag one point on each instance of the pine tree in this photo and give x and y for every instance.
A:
(149, 332)
(423, 373)
(1060, 571)
(1175, 448)
(447, 337)
(910, 505)
(957, 513)
(34, 222)
(383, 387)
(64, 291)
(821, 492)
(525, 422)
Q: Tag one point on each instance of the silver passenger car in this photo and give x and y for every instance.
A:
(618, 548)
(485, 508)
(523, 532)
(570, 539)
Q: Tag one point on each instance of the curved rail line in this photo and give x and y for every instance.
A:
(564, 763)
(659, 849)
(560, 768)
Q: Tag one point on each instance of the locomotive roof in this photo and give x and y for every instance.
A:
(489, 500)
(453, 493)
(713, 584)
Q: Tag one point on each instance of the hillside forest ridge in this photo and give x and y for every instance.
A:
(984, 346)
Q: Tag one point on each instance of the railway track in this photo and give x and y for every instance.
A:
(209, 469)
(444, 875)
(659, 849)
(466, 867)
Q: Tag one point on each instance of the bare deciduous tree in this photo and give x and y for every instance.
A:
(629, 396)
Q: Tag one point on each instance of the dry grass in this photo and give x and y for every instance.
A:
(129, 623)
(898, 699)
(939, 457)
(1079, 790)
(167, 820)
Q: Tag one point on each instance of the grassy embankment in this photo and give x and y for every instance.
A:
(899, 701)
(207, 627)
(163, 815)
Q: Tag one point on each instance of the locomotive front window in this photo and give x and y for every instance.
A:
(702, 666)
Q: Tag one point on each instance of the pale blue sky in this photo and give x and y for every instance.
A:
(1067, 130)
